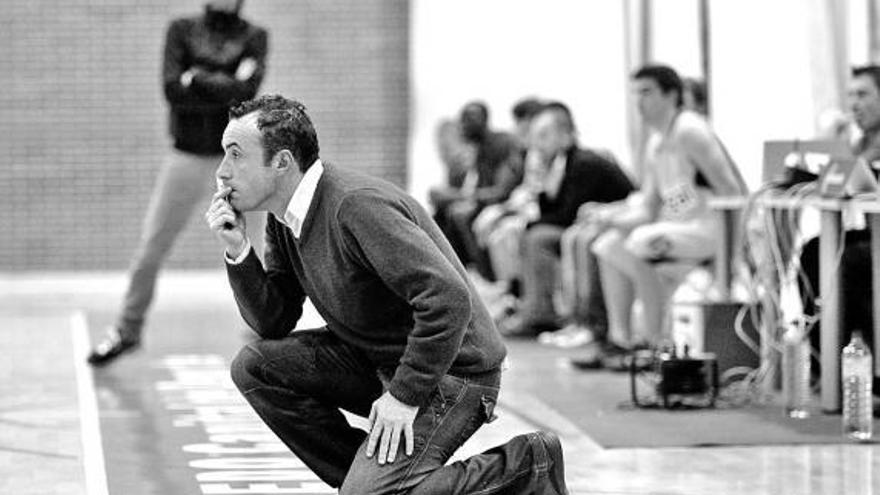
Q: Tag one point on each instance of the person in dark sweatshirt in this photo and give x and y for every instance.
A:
(210, 62)
(407, 342)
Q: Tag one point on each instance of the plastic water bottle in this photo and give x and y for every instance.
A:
(796, 371)
(857, 376)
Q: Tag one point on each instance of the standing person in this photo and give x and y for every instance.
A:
(685, 164)
(407, 342)
(210, 62)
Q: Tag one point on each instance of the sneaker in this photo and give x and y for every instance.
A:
(572, 335)
(549, 338)
(113, 345)
(596, 354)
(514, 326)
(608, 355)
(640, 359)
(556, 470)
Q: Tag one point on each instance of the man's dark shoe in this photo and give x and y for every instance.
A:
(556, 470)
(597, 355)
(640, 357)
(591, 356)
(111, 346)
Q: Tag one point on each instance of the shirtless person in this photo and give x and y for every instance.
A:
(685, 163)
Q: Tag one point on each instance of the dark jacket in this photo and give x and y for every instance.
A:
(589, 176)
(499, 168)
(199, 112)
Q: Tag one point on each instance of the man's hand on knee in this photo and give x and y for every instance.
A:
(389, 418)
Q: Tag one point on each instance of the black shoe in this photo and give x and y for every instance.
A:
(599, 355)
(591, 357)
(587, 363)
(641, 360)
(556, 472)
(113, 345)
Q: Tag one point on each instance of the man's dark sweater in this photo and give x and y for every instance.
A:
(383, 277)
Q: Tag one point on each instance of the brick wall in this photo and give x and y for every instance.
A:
(82, 117)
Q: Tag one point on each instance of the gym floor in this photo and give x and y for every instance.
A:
(167, 420)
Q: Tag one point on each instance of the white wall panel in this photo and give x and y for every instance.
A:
(502, 50)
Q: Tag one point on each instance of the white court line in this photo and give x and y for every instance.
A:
(535, 411)
(93, 450)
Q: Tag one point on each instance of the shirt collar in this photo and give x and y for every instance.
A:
(868, 146)
(559, 162)
(555, 174)
(299, 204)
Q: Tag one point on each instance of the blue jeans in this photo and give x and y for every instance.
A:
(298, 384)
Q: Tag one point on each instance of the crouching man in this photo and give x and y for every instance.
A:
(408, 343)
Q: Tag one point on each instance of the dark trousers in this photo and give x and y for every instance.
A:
(855, 272)
(298, 384)
(456, 222)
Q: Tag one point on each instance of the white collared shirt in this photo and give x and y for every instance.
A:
(302, 197)
(297, 208)
(555, 175)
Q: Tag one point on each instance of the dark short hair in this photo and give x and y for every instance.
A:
(872, 71)
(697, 89)
(665, 77)
(238, 4)
(562, 112)
(526, 108)
(479, 106)
(283, 124)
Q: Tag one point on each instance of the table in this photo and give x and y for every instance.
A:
(830, 290)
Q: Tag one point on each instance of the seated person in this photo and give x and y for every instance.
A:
(457, 158)
(573, 177)
(583, 305)
(498, 227)
(685, 163)
(495, 169)
(498, 230)
(855, 262)
(581, 288)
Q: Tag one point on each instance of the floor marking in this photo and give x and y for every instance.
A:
(93, 450)
(535, 411)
